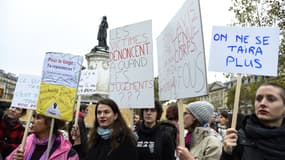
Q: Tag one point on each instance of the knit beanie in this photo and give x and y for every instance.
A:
(201, 110)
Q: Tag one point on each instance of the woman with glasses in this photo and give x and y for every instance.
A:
(201, 141)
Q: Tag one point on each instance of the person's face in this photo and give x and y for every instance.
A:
(14, 113)
(189, 119)
(269, 107)
(85, 111)
(170, 115)
(213, 118)
(105, 116)
(39, 126)
(149, 116)
(223, 120)
(137, 119)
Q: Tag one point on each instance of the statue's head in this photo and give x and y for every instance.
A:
(104, 17)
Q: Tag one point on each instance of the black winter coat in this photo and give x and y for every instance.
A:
(102, 151)
(156, 143)
(256, 141)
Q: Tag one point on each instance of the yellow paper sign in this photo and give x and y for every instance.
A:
(56, 101)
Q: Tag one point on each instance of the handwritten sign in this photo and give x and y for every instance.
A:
(247, 50)
(26, 91)
(59, 84)
(88, 82)
(181, 58)
(131, 65)
(62, 69)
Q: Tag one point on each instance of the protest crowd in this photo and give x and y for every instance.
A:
(56, 128)
(258, 135)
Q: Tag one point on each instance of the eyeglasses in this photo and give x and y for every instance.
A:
(185, 113)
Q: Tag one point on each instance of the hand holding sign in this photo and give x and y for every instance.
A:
(244, 50)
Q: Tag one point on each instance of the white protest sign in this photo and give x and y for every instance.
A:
(26, 91)
(88, 82)
(59, 84)
(62, 69)
(131, 65)
(181, 57)
(246, 50)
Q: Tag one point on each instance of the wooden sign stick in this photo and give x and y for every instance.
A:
(49, 138)
(236, 102)
(77, 111)
(181, 123)
(26, 131)
(132, 119)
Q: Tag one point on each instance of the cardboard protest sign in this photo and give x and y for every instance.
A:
(59, 84)
(245, 50)
(181, 57)
(26, 96)
(88, 82)
(131, 65)
(26, 91)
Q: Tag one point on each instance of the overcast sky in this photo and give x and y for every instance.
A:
(30, 28)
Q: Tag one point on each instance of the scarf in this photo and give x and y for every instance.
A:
(37, 141)
(104, 132)
(188, 138)
(269, 140)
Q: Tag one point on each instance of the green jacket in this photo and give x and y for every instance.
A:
(205, 144)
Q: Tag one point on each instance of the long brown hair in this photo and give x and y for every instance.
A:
(120, 131)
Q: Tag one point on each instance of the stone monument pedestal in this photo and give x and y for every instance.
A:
(98, 59)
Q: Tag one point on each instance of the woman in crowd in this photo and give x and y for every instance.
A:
(201, 141)
(111, 138)
(262, 134)
(11, 130)
(37, 142)
(172, 116)
(223, 123)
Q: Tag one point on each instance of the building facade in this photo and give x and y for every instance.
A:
(7, 87)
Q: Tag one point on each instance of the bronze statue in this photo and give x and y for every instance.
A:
(102, 37)
(102, 33)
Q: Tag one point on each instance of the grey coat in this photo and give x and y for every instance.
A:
(205, 144)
